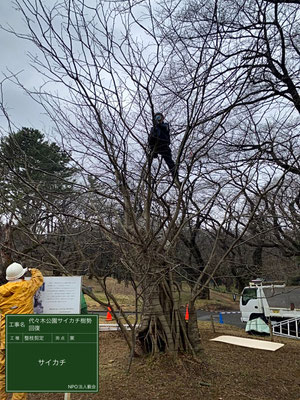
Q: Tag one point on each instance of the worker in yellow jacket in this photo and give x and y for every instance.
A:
(16, 297)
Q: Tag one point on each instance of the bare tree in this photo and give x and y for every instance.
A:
(114, 64)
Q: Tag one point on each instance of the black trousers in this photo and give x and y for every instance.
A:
(165, 152)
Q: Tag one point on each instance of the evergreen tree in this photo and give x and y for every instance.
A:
(36, 186)
(33, 171)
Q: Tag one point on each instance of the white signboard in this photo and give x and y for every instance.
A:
(58, 295)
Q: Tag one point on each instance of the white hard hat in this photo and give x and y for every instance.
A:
(15, 271)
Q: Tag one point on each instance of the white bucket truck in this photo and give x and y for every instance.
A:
(276, 302)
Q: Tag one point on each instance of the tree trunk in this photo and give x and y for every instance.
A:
(6, 250)
(205, 294)
(163, 327)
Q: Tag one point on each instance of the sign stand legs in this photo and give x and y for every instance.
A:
(67, 396)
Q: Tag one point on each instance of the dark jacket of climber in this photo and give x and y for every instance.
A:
(159, 143)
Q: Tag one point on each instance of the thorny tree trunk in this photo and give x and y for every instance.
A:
(5, 250)
(163, 327)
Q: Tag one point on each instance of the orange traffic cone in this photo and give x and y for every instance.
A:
(187, 315)
(108, 315)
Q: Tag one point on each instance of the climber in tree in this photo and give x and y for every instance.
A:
(159, 143)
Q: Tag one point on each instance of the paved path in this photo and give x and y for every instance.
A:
(229, 317)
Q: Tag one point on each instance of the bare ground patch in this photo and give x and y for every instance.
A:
(223, 372)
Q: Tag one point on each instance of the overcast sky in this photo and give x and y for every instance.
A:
(23, 111)
(14, 59)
